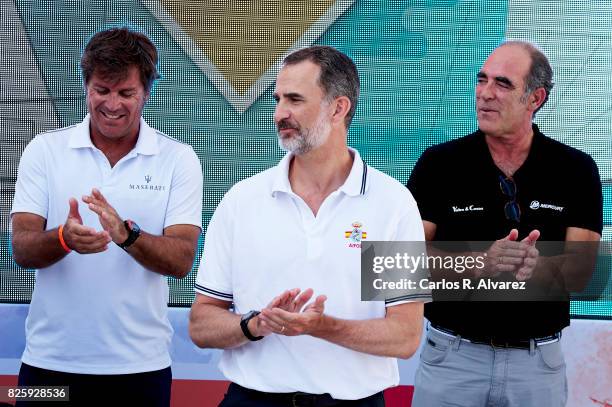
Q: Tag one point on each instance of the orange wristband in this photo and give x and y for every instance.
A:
(60, 234)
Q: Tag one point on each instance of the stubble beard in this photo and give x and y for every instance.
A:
(307, 140)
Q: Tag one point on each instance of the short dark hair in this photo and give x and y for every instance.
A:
(338, 77)
(540, 74)
(111, 53)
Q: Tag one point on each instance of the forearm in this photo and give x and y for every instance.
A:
(214, 327)
(37, 249)
(380, 336)
(547, 268)
(166, 255)
(573, 271)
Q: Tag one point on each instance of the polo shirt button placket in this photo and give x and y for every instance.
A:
(104, 165)
(308, 221)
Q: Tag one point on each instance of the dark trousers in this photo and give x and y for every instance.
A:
(238, 396)
(137, 389)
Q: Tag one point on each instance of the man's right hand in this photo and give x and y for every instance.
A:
(290, 300)
(80, 238)
(505, 255)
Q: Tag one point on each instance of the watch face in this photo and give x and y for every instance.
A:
(133, 233)
(133, 226)
(249, 315)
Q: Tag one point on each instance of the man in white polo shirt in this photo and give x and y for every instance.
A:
(98, 317)
(284, 248)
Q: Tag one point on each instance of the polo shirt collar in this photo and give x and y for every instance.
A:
(281, 179)
(356, 183)
(147, 140)
(79, 136)
(533, 150)
(146, 144)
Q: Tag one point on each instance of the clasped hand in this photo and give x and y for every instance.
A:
(288, 314)
(84, 239)
(512, 256)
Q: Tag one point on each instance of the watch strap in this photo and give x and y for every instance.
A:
(244, 325)
(133, 234)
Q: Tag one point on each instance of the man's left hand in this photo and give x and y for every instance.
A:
(525, 270)
(108, 216)
(296, 322)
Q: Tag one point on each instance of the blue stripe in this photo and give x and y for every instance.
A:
(364, 177)
(213, 292)
(407, 297)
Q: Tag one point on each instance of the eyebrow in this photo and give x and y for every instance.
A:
(501, 79)
(122, 90)
(289, 95)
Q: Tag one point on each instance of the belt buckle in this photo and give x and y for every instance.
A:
(298, 395)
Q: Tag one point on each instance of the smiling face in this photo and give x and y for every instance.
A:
(115, 106)
(302, 114)
(502, 107)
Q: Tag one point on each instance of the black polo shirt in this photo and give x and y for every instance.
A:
(456, 186)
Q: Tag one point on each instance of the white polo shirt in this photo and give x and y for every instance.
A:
(264, 239)
(104, 313)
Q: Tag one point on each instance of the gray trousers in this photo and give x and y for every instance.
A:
(454, 372)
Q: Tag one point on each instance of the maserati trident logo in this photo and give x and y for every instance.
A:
(148, 186)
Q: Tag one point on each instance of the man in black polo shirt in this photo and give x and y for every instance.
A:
(505, 177)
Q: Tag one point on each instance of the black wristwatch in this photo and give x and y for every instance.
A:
(244, 325)
(133, 234)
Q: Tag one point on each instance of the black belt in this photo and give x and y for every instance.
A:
(501, 342)
(295, 399)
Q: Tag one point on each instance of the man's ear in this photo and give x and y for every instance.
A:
(342, 105)
(537, 98)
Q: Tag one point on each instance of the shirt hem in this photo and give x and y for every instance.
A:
(209, 292)
(120, 368)
(191, 222)
(408, 298)
(337, 396)
(40, 212)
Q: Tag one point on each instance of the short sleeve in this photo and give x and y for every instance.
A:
(410, 229)
(424, 186)
(586, 209)
(185, 202)
(31, 188)
(214, 278)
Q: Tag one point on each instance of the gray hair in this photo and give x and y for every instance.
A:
(540, 74)
(338, 76)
